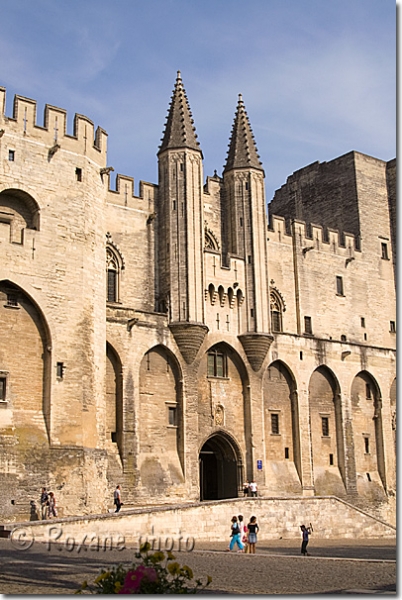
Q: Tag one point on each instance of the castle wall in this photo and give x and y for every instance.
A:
(103, 392)
(57, 267)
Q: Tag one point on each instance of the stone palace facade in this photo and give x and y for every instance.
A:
(178, 342)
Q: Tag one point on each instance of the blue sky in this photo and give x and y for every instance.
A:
(318, 77)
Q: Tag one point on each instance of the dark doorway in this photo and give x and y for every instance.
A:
(219, 469)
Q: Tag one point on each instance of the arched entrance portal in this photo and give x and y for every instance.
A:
(220, 469)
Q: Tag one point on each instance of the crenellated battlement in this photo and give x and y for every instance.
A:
(84, 140)
(310, 236)
(123, 194)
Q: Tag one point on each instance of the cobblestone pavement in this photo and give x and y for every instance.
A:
(335, 566)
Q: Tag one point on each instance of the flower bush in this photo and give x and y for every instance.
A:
(151, 574)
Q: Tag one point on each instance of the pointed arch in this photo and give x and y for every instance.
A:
(161, 419)
(18, 211)
(277, 308)
(221, 466)
(327, 432)
(114, 398)
(368, 432)
(392, 398)
(222, 295)
(281, 427)
(26, 370)
(114, 268)
(224, 396)
(211, 243)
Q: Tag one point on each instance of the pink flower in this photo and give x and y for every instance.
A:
(133, 579)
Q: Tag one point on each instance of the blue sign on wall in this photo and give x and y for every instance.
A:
(259, 465)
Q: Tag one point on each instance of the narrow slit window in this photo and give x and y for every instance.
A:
(331, 459)
(339, 286)
(78, 174)
(368, 391)
(366, 445)
(12, 300)
(362, 322)
(275, 423)
(276, 313)
(286, 453)
(392, 327)
(172, 413)
(308, 329)
(11, 155)
(384, 251)
(325, 426)
(60, 370)
(111, 285)
(3, 389)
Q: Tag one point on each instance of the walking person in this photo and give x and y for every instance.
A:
(252, 529)
(246, 488)
(117, 499)
(253, 489)
(52, 510)
(44, 503)
(305, 533)
(236, 536)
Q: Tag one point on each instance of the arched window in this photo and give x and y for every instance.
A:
(276, 309)
(113, 270)
(211, 243)
(18, 212)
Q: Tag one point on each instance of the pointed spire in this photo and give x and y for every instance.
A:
(179, 128)
(242, 149)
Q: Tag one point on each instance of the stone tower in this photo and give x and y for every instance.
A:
(181, 226)
(244, 231)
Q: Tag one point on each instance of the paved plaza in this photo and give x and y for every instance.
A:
(335, 566)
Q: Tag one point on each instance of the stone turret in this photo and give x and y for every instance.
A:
(181, 226)
(244, 206)
(242, 148)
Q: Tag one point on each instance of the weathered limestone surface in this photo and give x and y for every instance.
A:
(174, 342)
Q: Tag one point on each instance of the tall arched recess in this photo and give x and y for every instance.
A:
(161, 424)
(224, 399)
(326, 425)
(114, 400)
(281, 429)
(368, 436)
(392, 399)
(25, 364)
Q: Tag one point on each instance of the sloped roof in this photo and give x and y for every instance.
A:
(242, 148)
(179, 128)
